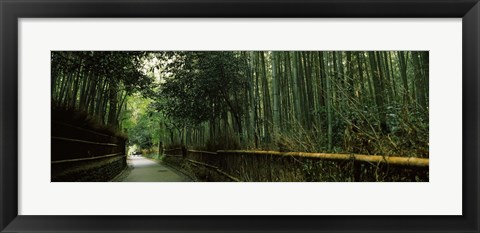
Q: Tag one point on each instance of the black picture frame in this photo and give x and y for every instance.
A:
(11, 11)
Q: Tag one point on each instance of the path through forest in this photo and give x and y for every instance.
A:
(145, 170)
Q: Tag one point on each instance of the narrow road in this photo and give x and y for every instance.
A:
(145, 170)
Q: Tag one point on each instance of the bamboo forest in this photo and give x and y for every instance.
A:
(240, 116)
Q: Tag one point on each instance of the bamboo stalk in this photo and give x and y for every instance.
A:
(391, 160)
(204, 152)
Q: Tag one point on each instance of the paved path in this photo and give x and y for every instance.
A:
(146, 170)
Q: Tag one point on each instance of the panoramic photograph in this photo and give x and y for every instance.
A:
(239, 116)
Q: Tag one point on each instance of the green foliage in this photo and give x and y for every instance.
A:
(200, 86)
(141, 122)
(140, 134)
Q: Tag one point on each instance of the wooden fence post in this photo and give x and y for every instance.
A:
(357, 171)
(160, 147)
(184, 152)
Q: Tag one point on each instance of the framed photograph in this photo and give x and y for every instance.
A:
(252, 116)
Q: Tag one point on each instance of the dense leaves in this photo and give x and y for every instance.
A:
(200, 85)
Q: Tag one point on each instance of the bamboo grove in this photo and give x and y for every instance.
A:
(368, 102)
(96, 83)
(373, 102)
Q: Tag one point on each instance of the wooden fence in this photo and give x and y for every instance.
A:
(268, 166)
(80, 154)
